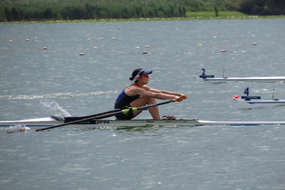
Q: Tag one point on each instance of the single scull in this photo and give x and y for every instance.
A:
(248, 101)
(213, 79)
(114, 124)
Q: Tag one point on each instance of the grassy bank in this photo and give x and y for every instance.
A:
(189, 16)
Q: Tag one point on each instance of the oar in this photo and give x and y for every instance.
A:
(105, 115)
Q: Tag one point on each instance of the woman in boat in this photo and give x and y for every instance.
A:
(139, 94)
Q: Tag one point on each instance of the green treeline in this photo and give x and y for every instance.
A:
(88, 9)
(17, 10)
(258, 7)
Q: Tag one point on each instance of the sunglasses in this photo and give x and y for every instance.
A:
(146, 76)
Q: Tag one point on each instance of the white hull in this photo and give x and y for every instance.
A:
(48, 122)
(279, 79)
(259, 103)
(114, 124)
(255, 101)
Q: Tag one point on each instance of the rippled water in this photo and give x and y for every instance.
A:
(36, 82)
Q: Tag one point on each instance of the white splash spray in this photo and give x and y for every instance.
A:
(54, 108)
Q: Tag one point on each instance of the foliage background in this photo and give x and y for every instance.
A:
(18, 10)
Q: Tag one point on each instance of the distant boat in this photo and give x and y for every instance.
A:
(247, 101)
(212, 78)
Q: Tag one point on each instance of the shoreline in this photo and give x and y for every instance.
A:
(190, 18)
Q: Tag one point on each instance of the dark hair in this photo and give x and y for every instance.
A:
(134, 74)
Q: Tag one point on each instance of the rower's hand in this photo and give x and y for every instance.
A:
(179, 98)
(184, 96)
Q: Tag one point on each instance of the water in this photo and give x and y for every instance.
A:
(36, 83)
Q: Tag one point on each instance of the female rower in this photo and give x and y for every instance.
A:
(139, 94)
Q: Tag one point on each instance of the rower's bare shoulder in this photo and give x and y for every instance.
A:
(133, 90)
(146, 87)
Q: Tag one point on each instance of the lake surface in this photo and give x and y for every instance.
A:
(36, 83)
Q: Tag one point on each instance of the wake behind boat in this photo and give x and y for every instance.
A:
(212, 78)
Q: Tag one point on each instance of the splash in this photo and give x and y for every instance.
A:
(54, 108)
(18, 128)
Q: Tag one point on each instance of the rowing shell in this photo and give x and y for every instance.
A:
(49, 121)
(116, 124)
(275, 79)
(257, 103)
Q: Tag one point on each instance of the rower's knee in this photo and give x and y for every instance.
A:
(151, 101)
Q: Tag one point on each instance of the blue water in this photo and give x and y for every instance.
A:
(204, 157)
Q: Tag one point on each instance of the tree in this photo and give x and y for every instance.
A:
(216, 4)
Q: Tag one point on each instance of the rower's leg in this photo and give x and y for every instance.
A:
(154, 112)
(142, 101)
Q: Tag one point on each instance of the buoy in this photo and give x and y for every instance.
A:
(113, 38)
(252, 35)
(81, 54)
(95, 47)
(223, 50)
(89, 39)
(200, 44)
(147, 46)
(214, 36)
(10, 40)
(100, 38)
(27, 40)
(254, 44)
(145, 52)
(44, 48)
